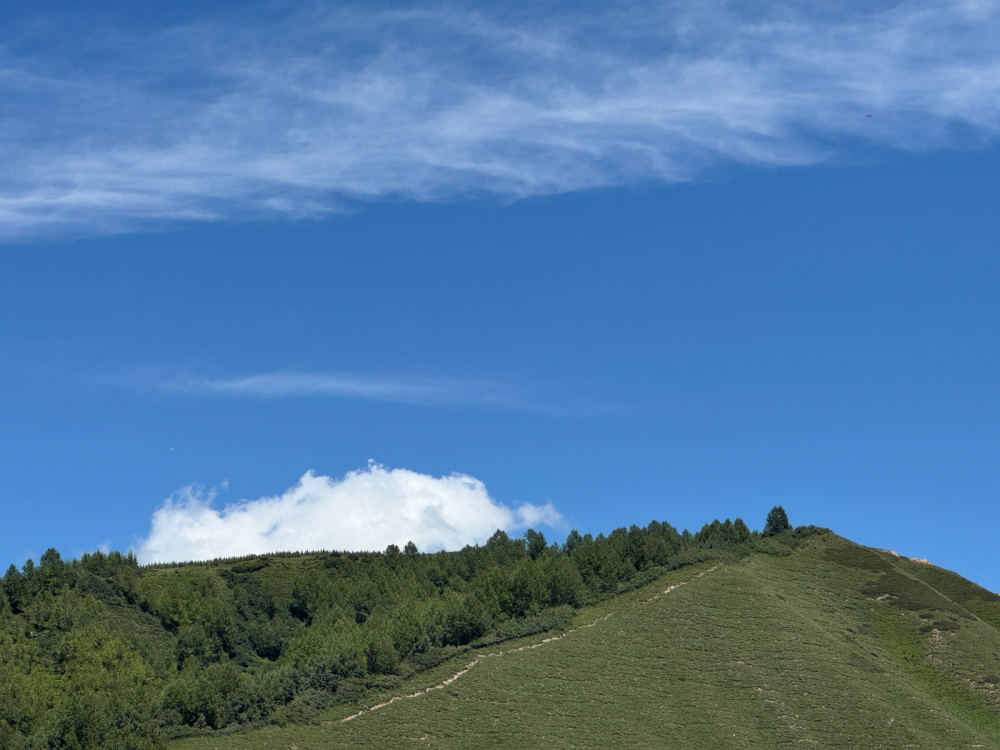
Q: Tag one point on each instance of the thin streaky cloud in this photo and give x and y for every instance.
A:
(425, 392)
(105, 131)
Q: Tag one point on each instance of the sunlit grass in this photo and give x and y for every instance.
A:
(766, 652)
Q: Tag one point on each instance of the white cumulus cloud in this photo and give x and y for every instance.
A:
(366, 509)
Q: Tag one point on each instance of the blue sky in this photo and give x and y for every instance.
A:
(614, 263)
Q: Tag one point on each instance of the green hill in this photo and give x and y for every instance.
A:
(835, 645)
(645, 638)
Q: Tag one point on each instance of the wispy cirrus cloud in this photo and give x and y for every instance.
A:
(417, 392)
(105, 131)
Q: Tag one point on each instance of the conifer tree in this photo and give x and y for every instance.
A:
(13, 588)
(777, 521)
(741, 532)
(573, 541)
(535, 541)
(51, 558)
(499, 537)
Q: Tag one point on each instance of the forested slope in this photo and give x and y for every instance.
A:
(763, 639)
(832, 646)
(102, 653)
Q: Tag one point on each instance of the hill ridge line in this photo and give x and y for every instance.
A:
(444, 683)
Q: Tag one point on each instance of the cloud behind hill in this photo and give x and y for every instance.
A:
(367, 509)
(108, 131)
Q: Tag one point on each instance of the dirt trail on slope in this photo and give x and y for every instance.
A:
(527, 647)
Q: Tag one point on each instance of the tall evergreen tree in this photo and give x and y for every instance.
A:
(13, 588)
(777, 521)
(51, 558)
(573, 541)
(536, 544)
(741, 532)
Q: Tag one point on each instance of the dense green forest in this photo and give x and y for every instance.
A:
(100, 652)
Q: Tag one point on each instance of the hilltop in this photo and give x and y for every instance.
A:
(645, 638)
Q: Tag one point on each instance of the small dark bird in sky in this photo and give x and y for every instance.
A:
(867, 115)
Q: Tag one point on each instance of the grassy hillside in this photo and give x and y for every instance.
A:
(645, 638)
(100, 652)
(834, 645)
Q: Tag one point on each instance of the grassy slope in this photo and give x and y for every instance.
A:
(834, 646)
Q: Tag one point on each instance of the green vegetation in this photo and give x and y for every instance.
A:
(777, 521)
(767, 651)
(725, 638)
(102, 653)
